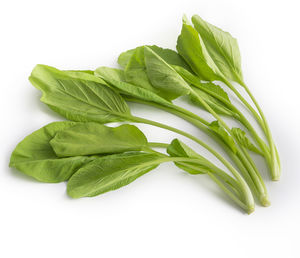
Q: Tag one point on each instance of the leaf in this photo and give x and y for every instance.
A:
(34, 156)
(191, 47)
(93, 138)
(168, 55)
(214, 103)
(135, 71)
(244, 141)
(220, 131)
(110, 173)
(171, 57)
(115, 77)
(124, 57)
(79, 96)
(179, 149)
(163, 76)
(222, 48)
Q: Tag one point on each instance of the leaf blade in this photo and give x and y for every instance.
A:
(94, 138)
(110, 173)
(222, 47)
(34, 156)
(81, 97)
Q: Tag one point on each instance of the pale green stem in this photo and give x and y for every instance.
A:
(246, 191)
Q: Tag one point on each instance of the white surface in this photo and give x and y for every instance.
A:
(166, 213)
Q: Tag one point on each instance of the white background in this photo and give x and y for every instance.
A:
(166, 213)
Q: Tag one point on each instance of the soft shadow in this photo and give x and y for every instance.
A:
(204, 182)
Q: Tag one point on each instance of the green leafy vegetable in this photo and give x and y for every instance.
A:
(34, 156)
(96, 158)
(191, 47)
(135, 71)
(110, 173)
(163, 76)
(222, 48)
(81, 97)
(168, 55)
(93, 138)
(115, 78)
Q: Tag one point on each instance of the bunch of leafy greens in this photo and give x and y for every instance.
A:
(95, 158)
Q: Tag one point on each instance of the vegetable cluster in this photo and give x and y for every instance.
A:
(95, 158)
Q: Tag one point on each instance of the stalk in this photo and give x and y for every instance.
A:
(262, 121)
(249, 164)
(249, 201)
(230, 182)
(247, 168)
(229, 193)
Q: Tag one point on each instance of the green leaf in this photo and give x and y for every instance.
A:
(35, 157)
(244, 141)
(110, 173)
(171, 57)
(79, 96)
(222, 48)
(163, 76)
(191, 47)
(135, 71)
(220, 131)
(214, 103)
(115, 77)
(94, 138)
(168, 55)
(124, 57)
(179, 149)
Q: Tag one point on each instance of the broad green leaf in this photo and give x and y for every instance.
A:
(115, 78)
(222, 48)
(179, 149)
(94, 138)
(244, 141)
(221, 132)
(171, 57)
(168, 55)
(110, 173)
(79, 96)
(163, 77)
(214, 103)
(124, 57)
(135, 72)
(191, 47)
(35, 157)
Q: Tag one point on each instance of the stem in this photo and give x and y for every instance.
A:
(229, 193)
(216, 180)
(274, 155)
(257, 181)
(246, 191)
(262, 121)
(245, 167)
(158, 145)
(231, 182)
(242, 161)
